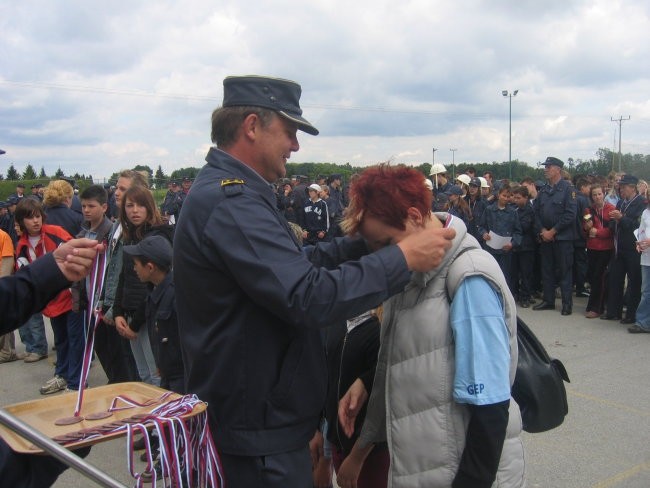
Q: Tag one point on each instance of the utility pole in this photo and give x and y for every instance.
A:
(433, 159)
(620, 128)
(453, 162)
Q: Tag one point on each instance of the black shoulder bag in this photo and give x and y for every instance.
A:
(539, 384)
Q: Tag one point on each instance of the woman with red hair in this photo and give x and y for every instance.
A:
(448, 355)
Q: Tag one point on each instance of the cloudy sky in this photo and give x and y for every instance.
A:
(93, 87)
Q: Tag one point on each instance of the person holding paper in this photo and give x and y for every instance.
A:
(500, 224)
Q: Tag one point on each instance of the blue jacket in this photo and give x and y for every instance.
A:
(501, 221)
(527, 223)
(556, 208)
(250, 303)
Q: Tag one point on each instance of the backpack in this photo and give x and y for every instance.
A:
(538, 388)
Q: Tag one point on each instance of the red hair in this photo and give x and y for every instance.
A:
(386, 192)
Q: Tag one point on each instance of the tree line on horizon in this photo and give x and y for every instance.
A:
(604, 162)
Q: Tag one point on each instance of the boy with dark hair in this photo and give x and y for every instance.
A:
(524, 254)
(94, 205)
(501, 219)
(152, 261)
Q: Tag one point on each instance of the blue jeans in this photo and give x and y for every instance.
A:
(643, 311)
(32, 334)
(69, 340)
(144, 358)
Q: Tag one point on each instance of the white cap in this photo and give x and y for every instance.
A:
(314, 186)
(484, 182)
(437, 168)
(464, 179)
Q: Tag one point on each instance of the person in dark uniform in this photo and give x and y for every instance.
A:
(441, 186)
(580, 244)
(22, 295)
(251, 300)
(317, 218)
(626, 260)
(171, 204)
(523, 255)
(477, 206)
(555, 217)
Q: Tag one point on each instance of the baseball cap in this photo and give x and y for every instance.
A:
(277, 94)
(156, 249)
(314, 186)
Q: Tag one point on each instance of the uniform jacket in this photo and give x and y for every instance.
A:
(623, 230)
(526, 216)
(501, 221)
(52, 236)
(477, 207)
(415, 371)
(65, 217)
(250, 301)
(582, 204)
(556, 208)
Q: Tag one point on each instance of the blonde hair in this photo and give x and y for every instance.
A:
(57, 192)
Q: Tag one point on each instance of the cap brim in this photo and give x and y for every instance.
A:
(133, 250)
(303, 124)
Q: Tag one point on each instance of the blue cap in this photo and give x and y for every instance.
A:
(454, 190)
(277, 94)
(551, 161)
(156, 249)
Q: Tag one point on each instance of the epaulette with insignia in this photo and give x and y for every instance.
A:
(233, 186)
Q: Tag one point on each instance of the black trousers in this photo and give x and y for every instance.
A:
(284, 470)
(597, 275)
(624, 263)
(580, 265)
(522, 274)
(114, 354)
(557, 267)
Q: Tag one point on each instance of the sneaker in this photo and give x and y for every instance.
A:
(8, 358)
(53, 385)
(32, 357)
(635, 329)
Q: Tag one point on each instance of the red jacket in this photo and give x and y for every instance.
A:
(52, 236)
(604, 239)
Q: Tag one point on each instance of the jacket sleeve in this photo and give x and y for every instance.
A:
(486, 434)
(516, 231)
(568, 218)
(269, 266)
(29, 291)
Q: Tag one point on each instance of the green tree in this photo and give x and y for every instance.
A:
(42, 173)
(59, 173)
(144, 167)
(160, 174)
(30, 173)
(12, 173)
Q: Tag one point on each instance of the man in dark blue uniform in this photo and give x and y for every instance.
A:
(250, 300)
(555, 216)
(626, 260)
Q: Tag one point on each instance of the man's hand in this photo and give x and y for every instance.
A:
(348, 473)
(76, 256)
(424, 250)
(350, 405)
(547, 235)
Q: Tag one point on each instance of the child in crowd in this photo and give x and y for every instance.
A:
(317, 219)
(523, 256)
(139, 217)
(94, 204)
(152, 261)
(36, 240)
(501, 219)
(456, 205)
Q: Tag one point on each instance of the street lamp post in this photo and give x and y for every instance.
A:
(433, 159)
(453, 162)
(510, 95)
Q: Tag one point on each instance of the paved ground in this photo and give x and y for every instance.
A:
(604, 442)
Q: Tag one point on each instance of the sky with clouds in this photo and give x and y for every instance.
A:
(94, 87)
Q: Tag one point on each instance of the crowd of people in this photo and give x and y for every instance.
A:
(263, 295)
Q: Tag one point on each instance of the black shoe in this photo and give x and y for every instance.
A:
(628, 320)
(582, 294)
(566, 309)
(524, 304)
(609, 317)
(544, 306)
(635, 329)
